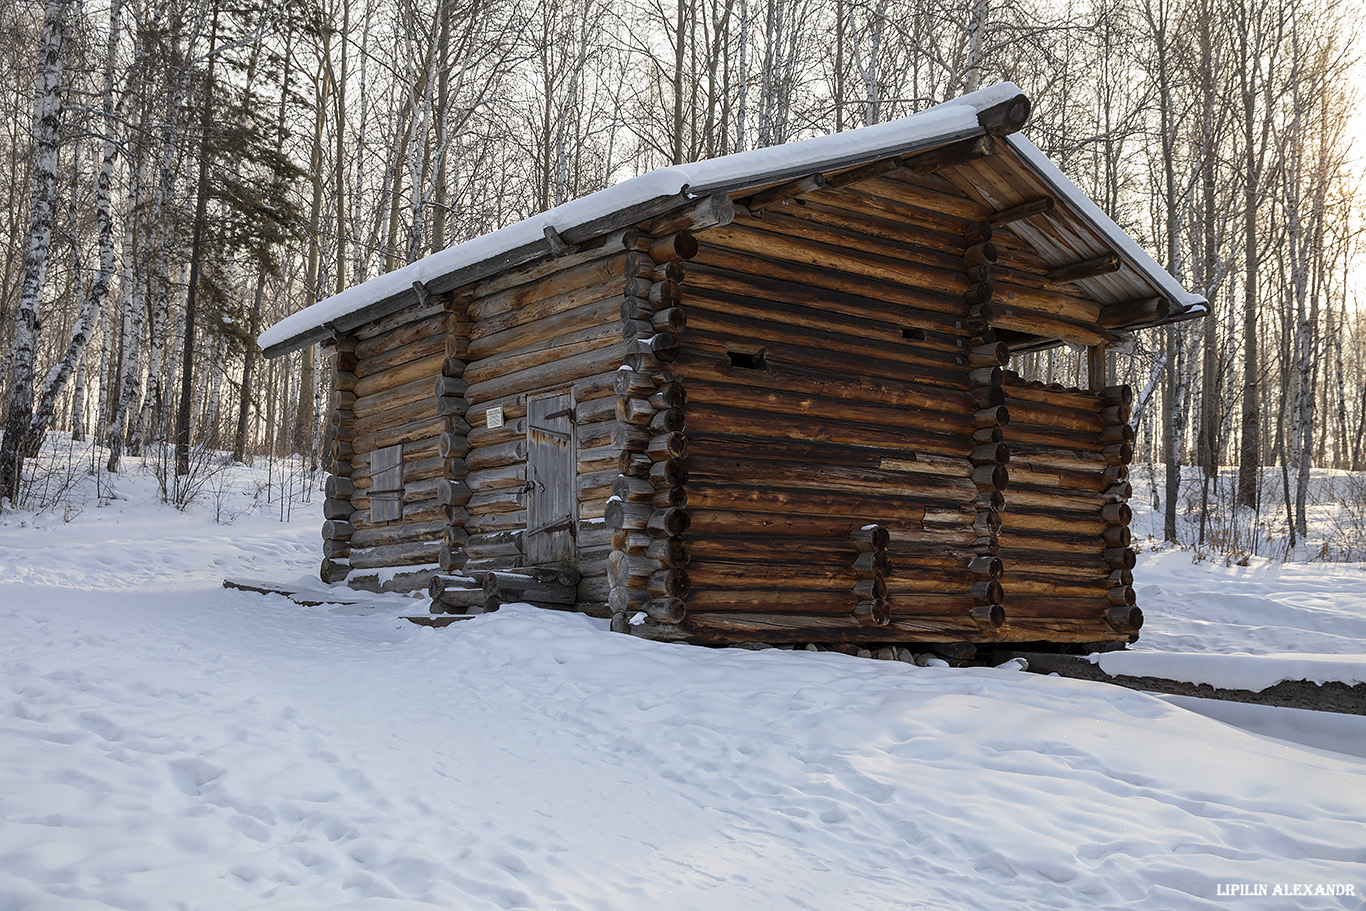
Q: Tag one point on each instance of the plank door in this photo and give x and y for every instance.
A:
(386, 484)
(551, 480)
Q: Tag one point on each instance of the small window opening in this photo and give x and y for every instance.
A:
(913, 335)
(748, 358)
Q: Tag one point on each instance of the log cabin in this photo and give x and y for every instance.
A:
(764, 397)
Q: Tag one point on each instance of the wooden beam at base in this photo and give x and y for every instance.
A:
(308, 597)
(440, 620)
(1299, 694)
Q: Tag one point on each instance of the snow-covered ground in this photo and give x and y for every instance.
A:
(169, 744)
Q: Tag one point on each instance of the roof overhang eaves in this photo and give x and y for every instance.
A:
(445, 282)
(1190, 305)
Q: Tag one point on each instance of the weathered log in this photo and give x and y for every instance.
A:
(955, 153)
(873, 612)
(1025, 210)
(785, 192)
(872, 563)
(870, 538)
(633, 490)
(670, 583)
(1136, 312)
(671, 552)
(337, 508)
(988, 616)
(458, 592)
(337, 530)
(506, 587)
(665, 610)
(1088, 268)
(496, 544)
(1125, 618)
(408, 554)
(620, 514)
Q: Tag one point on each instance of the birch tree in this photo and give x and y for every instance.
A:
(47, 117)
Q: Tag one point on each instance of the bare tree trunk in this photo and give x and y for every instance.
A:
(47, 116)
(182, 426)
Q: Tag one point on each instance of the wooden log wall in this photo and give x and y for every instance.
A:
(646, 515)
(826, 363)
(552, 327)
(1064, 541)
(338, 527)
(384, 397)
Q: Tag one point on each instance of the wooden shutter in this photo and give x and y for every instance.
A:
(386, 484)
(551, 499)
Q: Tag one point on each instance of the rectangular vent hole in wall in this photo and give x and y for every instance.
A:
(913, 335)
(750, 358)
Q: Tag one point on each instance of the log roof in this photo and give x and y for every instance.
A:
(1016, 187)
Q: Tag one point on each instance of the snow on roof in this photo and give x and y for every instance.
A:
(943, 123)
(1125, 246)
(668, 189)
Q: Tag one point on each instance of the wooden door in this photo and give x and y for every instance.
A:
(551, 499)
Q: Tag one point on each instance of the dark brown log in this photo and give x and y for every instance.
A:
(980, 254)
(668, 446)
(1044, 325)
(993, 416)
(1120, 557)
(673, 319)
(986, 567)
(506, 587)
(871, 589)
(987, 591)
(671, 552)
(989, 355)
(670, 583)
(1136, 312)
(1089, 268)
(955, 153)
(665, 610)
(872, 563)
(870, 538)
(680, 245)
(784, 192)
(1117, 513)
(668, 473)
(1121, 595)
(669, 420)
(1007, 117)
(1125, 619)
(748, 236)
(988, 616)
(669, 521)
(991, 477)
(1025, 210)
(873, 612)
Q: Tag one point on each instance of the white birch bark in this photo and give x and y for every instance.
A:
(57, 377)
(47, 115)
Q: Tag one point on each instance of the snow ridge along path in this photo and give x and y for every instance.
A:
(169, 744)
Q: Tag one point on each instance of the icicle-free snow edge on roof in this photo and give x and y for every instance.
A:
(639, 199)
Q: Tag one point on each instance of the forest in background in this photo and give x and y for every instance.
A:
(180, 176)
